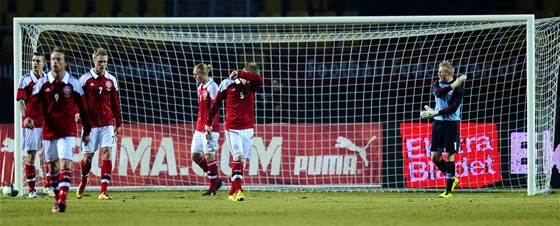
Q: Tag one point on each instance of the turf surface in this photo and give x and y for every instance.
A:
(287, 208)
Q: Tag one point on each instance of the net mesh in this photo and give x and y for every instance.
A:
(339, 109)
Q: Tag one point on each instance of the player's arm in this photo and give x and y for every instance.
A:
(454, 102)
(82, 110)
(32, 113)
(116, 108)
(439, 91)
(214, 109)
(21, 96)
(21, 107)
(442, 91)
(256, 80)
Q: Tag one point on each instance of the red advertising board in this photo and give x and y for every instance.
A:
(282, 154)
(7, 153)
(477, 163)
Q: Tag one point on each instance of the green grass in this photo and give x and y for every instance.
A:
(287, 208)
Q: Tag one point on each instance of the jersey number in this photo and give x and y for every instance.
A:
(241, 95)
(100, 89)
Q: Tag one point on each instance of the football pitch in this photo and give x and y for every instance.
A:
(288, 208)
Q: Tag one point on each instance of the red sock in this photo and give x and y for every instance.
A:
(30, 174)
(47, 176)
(213, 174)
(236, 176)
(105, 174)
(84, 170)
(203, 164)
(54, 183)
(239, 171)
(64, 184)
(232, 188)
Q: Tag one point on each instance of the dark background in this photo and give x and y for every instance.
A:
(299, 110)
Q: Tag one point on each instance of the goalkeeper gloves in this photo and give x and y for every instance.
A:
(459, 81)
(428, 113)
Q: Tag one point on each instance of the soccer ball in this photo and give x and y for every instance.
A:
(10, 190)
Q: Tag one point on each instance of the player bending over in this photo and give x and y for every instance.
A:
(239, 94)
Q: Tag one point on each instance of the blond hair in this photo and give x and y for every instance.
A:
(252, 67)
(100, 52)
(205, 68)
(447, 66)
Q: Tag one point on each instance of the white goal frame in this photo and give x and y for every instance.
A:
(526, 18)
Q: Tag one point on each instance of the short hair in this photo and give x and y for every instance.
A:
(253, 68)
(40, 55)
(205, 68)
(99, 52)
(60, 50)
(448, 66)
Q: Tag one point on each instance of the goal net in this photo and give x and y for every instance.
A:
(339, 108)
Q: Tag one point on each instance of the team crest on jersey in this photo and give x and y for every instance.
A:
(204, 96)
(108, 84)
(67, 90)
(235, 147)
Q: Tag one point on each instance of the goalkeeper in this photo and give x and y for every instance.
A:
(449, 94)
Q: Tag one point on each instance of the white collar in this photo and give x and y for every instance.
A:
(95, 75)
(210, 80)
(33, 78)
(65, 78)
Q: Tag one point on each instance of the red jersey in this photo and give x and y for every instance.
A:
(102, 99)
(25, 88)
(206, 94)
(240, 101)
(56, 101)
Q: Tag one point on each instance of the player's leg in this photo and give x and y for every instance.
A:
(32, 140)
(235, 144)
(50, 155)
(47, 188)
(65, 147)
(30, 173)
(437, 146)
(54, 174)
(88, 152)
(107, 140)
(210, 148)
(197, 148)
(452, 145)
(246, 139)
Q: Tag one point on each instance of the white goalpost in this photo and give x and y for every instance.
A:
(339, 109)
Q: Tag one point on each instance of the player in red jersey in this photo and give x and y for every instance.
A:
(55, 98)
(239, 94)
(31, 137)
(207, 91)
(103, 103)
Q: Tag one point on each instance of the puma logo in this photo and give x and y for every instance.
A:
(343, 142)
(8, 145)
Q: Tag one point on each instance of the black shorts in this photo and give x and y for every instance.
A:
(445, 136)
